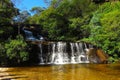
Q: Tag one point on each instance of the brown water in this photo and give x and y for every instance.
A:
(63, 72)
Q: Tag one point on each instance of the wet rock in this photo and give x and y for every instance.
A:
(97, 56)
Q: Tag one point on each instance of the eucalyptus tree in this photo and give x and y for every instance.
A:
(22, 16)
(7, 12)
(37, 10)
(64, 19)
(10, 49)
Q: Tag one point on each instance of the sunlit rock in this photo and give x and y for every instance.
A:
(97, 56)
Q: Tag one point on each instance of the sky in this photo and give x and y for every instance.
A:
(28, 4)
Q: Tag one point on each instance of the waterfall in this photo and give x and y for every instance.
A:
(29, 36)
(64, 53)
(72, 53)
(41, 54)
(78, 53)
(59, 54)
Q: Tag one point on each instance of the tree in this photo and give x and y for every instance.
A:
(65, 17)
(16, 50)
(7, 12)
(105, 29)
(37, 10)
(12, 50)
(3, 58)
(22, 17)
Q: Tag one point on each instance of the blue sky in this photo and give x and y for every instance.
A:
(28, 4)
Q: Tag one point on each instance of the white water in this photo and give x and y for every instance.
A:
(59, 54)
(72, 53)
(29, 36)
(41, 54)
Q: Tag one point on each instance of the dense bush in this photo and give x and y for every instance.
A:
(3, 58)
(65, 20)
(105, 29)
(16, 49)
(13, 51)
(7, 12)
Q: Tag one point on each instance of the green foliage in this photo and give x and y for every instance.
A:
(7, 12)
(105, 29)
(22, 17)
(3, 59)
(13, 51)
(37, 10)
(65, 19)
(16, 49)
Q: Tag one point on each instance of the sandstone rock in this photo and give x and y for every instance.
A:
(97, 56)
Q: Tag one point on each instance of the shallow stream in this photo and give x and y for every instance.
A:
(62, 72)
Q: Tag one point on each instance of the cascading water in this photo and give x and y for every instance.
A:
(41, 54)
(59, 54)
(78, 53)
(29, 35)
(72, 53)
(64, 53)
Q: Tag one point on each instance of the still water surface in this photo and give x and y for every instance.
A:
(63, 72)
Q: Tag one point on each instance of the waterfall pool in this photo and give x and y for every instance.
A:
(62, 72)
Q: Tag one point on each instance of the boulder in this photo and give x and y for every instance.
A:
(97, 56)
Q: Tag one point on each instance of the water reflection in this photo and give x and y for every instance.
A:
(63, 72)
(58, 73)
